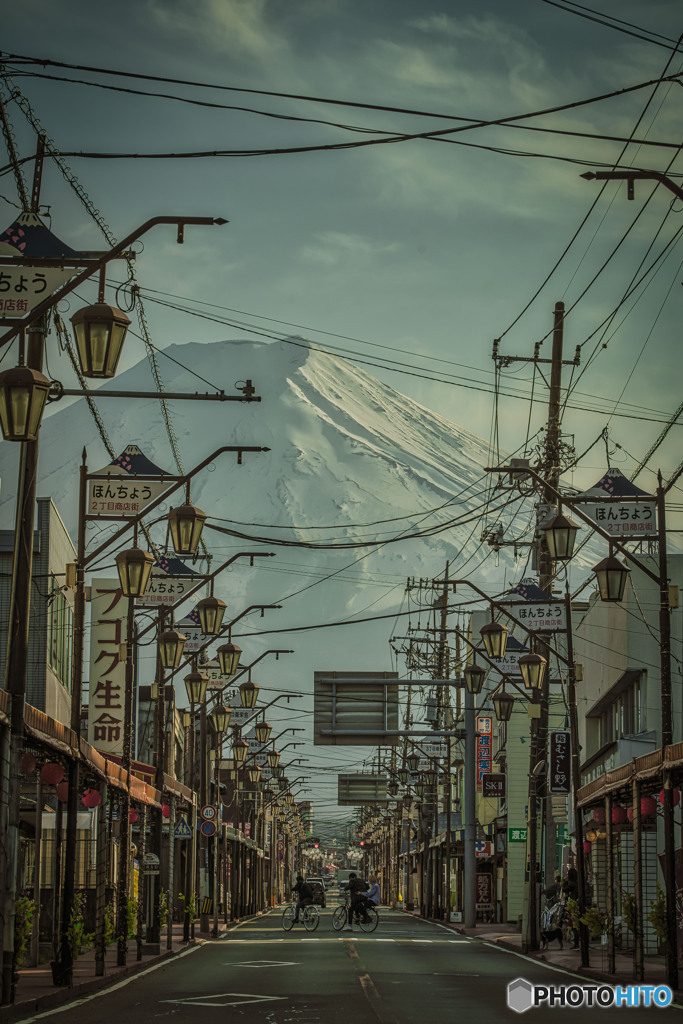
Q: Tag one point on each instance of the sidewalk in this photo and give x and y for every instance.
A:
(36, 991)
(507, 936)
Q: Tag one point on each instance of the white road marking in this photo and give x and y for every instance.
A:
(264, 963)
(229, 999)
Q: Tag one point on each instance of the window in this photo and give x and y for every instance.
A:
(60, 627)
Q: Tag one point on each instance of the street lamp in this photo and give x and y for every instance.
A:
(134, 567)
(220, 716)
(273, 759)
(100, 332)
(254, 773)
(495, 637)
(239, 752)
(413, 762)
(229, 657)
(211, 611)
(171, 647)
(560, 534)
(248, 693)
(195, 684)
(429, 776)
(403, 776)
(533, 666)
(262, 731)
(503, 704)
(611, 576)
(186, 523)
(23, 394)
(474, 678)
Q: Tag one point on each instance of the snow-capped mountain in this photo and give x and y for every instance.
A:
(350, 460)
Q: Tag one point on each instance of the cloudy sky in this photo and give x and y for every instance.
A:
(419, 251)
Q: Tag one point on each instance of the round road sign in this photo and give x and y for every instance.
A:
(208, 828)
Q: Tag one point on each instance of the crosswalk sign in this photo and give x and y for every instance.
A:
(182, 830)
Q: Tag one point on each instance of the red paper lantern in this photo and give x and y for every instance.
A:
(91, 798)
(629, 813)
(28, 764)
(587, 847)
(618, 815)
(52, 773)
(648, 806)
(677, 797)
(62, 792)
(133, 816)
(599, 816)
(166, 810)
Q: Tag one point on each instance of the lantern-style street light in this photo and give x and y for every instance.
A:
(263, 730)
(229, 658)
(611, 576)
(560, 534)
(195, 683)
(429, 776)
(533, 667)
(211, 611)
(220, 716)
(254, 773)
(413, 762)
(23, 394)
(240, 750)
(503, 704)
(134, 567)
(186, 523)
(100, 332)
(403, 776)
(474, 678)
(248, 693)
(171, 646)
(273, 759)
(495, 637)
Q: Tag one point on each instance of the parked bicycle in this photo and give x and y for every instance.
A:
(308, 917)
(341, 917)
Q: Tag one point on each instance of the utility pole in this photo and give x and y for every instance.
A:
(551, 466)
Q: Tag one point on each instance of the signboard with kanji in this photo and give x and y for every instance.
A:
(517, 835)
(559, 775)
(163, 589)
(630, 519)
(126, 486)
(484, 888)
(536, 609)
(484, 747)
(192, 631)
(22, 288)
(493, 786)
(108, 612)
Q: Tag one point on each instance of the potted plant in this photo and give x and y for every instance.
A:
(600, 924)
(24, 909)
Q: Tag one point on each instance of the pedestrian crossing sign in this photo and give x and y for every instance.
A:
(182, 830)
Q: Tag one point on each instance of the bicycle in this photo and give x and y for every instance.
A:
(341, 917)
(308, 916)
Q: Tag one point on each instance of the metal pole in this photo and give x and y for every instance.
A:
(470, 805)
(667, 739)
(584, 934)
(126, 758)
(35, 929)
(16, 665)
(171, 873)
(101, 881)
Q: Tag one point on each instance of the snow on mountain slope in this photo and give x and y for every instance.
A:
(346, 452)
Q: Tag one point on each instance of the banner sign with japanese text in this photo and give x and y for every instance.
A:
(484, 887)
(108, 613)
(560, 761)
(484, 747)
(627, 520)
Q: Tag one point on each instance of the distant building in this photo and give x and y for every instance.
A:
(48, 685)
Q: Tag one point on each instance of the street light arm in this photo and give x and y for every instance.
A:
(210, 639)
(632, 176)
(504, 610)
(269, 704)
(94, 265)
(179, 481)
(574, 506)
(207, 578)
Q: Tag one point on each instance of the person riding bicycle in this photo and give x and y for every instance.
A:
(372, 896)
(357, 889)
(305, 895)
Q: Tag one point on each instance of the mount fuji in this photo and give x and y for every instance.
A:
(351, 461)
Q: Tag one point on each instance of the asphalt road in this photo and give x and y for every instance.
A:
(407, 972)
